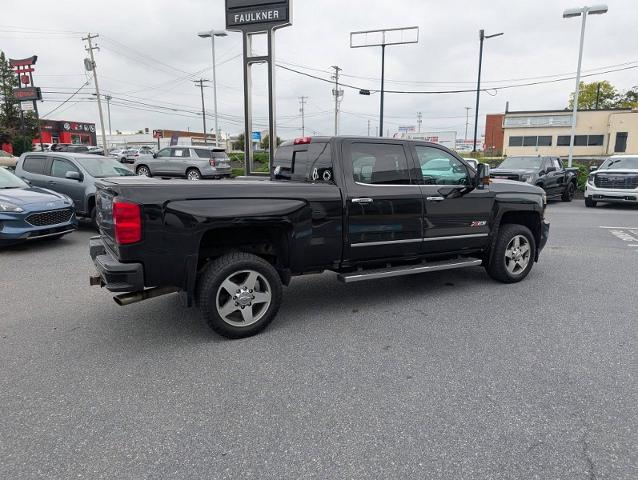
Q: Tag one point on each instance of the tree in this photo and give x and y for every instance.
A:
(9, 107)
(605, 92)
(630, 98)
(265, 142)
(239, 143)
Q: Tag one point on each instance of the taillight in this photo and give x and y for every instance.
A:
(302, 140)
(127, 221)
(212, 162)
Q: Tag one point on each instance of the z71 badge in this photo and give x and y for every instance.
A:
(478, 223)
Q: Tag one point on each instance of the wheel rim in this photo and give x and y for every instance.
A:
(517, 255)
(143, 171)
(243, 298)
(193, 175)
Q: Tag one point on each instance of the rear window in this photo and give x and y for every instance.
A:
(208, 154)
(304, 163)
(35, 164)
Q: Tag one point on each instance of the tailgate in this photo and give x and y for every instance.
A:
(104, 213)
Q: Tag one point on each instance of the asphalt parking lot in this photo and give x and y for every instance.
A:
(446, 375)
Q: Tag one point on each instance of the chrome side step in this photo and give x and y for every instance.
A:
(407, 270)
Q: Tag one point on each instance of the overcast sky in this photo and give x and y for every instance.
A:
(150, 53)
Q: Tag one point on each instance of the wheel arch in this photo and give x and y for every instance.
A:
(521, 215)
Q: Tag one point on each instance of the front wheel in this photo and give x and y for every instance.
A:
(513, 255)
(239, 294)
(193, 174)
(589, 203)
(143, 171)
(568, 194)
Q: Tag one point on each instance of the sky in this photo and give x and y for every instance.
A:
(150, 54)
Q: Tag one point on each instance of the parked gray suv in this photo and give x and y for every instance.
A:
(73, 174)
(191, 162)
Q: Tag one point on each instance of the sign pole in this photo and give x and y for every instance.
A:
(248, 144)
(272, 101)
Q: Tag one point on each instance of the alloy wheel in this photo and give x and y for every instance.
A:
(517, 255)
(243, 298)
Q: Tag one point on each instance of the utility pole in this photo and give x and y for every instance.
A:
(338, 94)
(419, 120)
(597, 94)
(200, 82)
(90, 49)
(108, 111)
(368, 128)
(467, 121)
(302, 102)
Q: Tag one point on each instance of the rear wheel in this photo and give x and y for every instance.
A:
(568, 194)
(513, 255)
(143, 171)
(589, 203)
(193, 174)
(239, 294)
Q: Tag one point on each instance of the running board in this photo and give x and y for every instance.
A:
(407, 270)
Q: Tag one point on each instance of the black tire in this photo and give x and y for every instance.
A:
(209, 291)
(93, 218)
(497, 267)
(143, 168)
(568, 194)
(589, 203)
(193, 174)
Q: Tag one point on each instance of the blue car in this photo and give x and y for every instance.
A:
(27, 213)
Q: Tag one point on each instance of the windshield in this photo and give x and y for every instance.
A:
(100, 167)
(9, 180)
(522, 162)
(619, 163)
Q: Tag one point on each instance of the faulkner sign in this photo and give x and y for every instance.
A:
(253, 15)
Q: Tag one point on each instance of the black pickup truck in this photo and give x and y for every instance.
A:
(364, 208)
(545, 172)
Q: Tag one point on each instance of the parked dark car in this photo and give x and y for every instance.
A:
(73, 174)
(192, 162)
(548, 173)
(364, 208)
(28, 213)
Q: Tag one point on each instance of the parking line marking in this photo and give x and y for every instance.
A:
(621, 228)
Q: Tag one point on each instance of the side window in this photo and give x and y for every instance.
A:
(304, 163)
(60, 166)
(181, 152)
(557, 164)
(34, 164)
(202, 153)
(379, 164)
(441, 168)
(319, 163)
(164, 153)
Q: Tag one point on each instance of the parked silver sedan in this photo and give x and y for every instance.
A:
(192, 162)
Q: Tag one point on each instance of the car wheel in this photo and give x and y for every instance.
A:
(568, 194)
(513, 255)
(123, 160)
(193, 174)
(239, 294)
(589, 203)
(143, 171)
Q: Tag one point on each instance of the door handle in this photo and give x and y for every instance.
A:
(362, 200)
(435, 199)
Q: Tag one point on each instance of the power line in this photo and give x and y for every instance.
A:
(67, 100)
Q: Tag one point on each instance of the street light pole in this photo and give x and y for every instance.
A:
(570, 13)
(212, 34)
(482, 37)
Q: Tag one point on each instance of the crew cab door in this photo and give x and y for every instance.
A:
(384, 205)
(456, 216)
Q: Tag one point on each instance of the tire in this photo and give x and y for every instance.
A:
(93, 218)
(237, 279)
(589, 203)
(143, 171)
(502, 266)
(568, 194)
(193, 174)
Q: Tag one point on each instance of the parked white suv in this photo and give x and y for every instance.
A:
(615, 181)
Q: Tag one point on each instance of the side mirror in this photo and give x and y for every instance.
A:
(73, 176)
(155, 155)
(482, 175)
(593, 168)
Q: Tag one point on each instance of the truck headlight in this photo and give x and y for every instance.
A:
(591, 179)
(9, 207)
(527, 178)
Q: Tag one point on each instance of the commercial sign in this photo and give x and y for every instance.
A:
(27, 94)
(407, 128)
(158, 134)
(256, 136)
(538, 121)
(257, 15)
(79, 127)
(447, 139)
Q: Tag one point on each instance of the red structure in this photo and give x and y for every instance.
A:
(494, 133)
(66, 131)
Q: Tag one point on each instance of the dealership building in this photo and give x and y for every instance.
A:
(599, 133)
(67, 131)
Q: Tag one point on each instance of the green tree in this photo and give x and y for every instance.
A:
(239, 143)
(9, 107)
(608, 96)
(265, 142)
(630, 98)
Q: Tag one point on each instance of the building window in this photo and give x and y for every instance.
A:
(516, 141)
(595, 140)
(545, 141)
(562, 141)
(621, 142)
(531, 141)
(581, 140)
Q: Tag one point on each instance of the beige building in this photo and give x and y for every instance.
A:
(599, 133)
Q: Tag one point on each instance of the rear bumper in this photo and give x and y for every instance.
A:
(116, 276)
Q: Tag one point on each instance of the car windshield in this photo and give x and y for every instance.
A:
(9, 180)
(620, 163)
(522, 162)
(101, 167)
